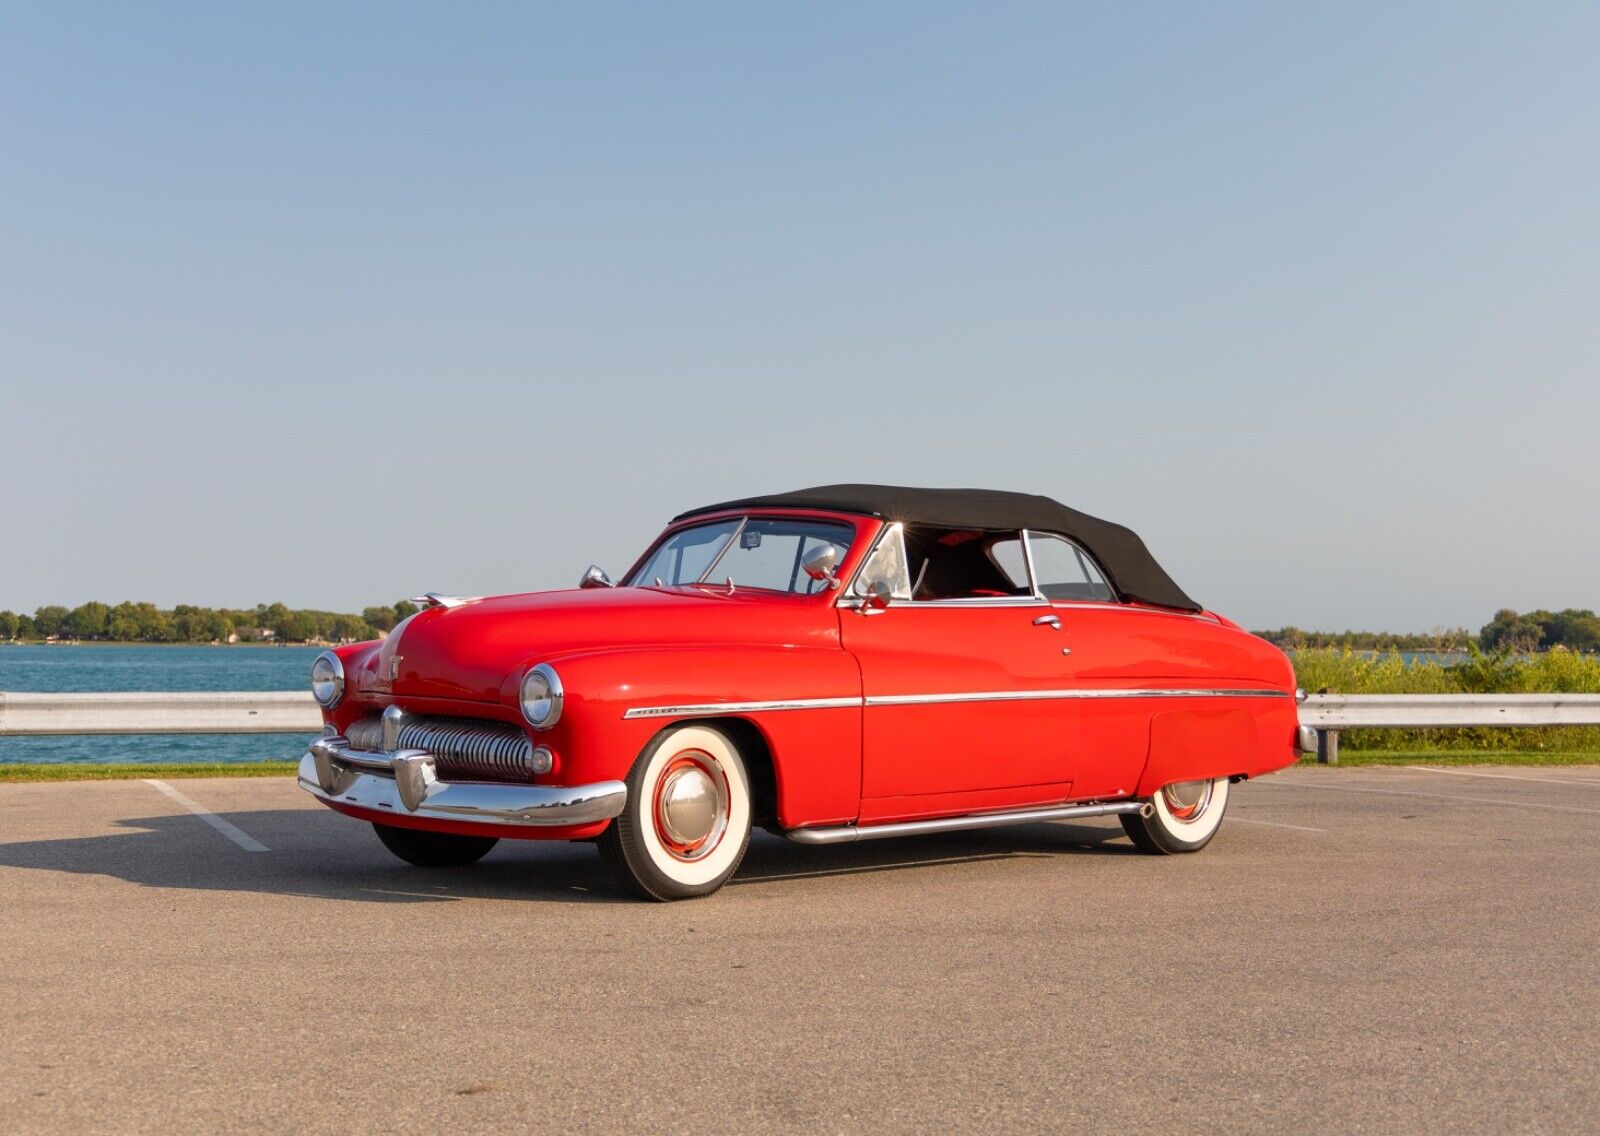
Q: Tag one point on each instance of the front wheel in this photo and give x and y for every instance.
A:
(687, 821)
(1184, 816)
(433, 849)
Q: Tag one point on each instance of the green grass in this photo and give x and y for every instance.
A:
(1459, 756)
(63, 771)
(1556, 671)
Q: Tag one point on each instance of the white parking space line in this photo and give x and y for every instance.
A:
(1595, 784)
(1272, 824)
(232, 832)
(1431, 796)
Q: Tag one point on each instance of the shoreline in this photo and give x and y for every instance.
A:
(33, 772)
(143, 643)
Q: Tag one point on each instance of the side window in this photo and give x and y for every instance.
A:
(887, 563)
(1065, 571)
(964, 564)
(1007, 553)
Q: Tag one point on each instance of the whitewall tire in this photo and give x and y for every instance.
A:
(1184, 816)
(686, 825)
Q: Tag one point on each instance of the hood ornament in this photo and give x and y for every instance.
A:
(434, 599)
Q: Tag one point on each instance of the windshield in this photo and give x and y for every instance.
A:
(755, 552)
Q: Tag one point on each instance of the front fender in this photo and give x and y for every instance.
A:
(816, 750)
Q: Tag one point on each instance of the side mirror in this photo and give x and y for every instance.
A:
(876, 598)
(822, 562)
(595, 577)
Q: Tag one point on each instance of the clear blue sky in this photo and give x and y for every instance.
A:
(333, 304)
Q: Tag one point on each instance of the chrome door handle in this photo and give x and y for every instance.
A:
(1051, 621)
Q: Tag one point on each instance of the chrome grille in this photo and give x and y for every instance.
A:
(462, 747)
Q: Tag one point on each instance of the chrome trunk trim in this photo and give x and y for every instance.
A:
(849, 833)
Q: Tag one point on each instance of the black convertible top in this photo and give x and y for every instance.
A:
(1130, 569)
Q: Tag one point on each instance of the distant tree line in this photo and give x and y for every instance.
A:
(1574, 629)
(1293, 638)
(131, 622)
(1507, 632)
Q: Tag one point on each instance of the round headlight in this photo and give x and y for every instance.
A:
(541, 697)
(327, 680)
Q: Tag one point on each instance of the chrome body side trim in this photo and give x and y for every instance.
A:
(703, 708)
(741, 707)
(1050, 695)
(406, 783)
(849, 833)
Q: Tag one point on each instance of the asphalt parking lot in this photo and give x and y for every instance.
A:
(1358, 951)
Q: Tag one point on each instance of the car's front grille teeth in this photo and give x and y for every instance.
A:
(461, 747)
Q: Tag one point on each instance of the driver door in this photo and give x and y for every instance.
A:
(959, 715)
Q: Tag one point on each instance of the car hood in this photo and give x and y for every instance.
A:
(479, 650)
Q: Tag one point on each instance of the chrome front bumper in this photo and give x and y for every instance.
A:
(406, 783)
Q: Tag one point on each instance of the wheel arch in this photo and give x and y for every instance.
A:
(809, 758)
(755, 750)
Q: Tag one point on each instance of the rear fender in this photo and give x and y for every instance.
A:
(1199, 744)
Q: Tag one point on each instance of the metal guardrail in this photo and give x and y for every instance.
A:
(200, 712)
(295, 712)
(1330, 714)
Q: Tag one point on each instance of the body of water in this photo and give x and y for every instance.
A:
(134, 667)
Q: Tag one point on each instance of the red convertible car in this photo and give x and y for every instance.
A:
(833, 664)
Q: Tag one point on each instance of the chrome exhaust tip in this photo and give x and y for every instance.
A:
(1147, 810)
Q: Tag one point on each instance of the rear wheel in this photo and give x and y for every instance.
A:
(433, 849)
(1184, 816)
(687, 821)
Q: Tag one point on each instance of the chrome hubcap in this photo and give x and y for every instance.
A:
(688, 805)
(1186, 800)
(691, 805)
